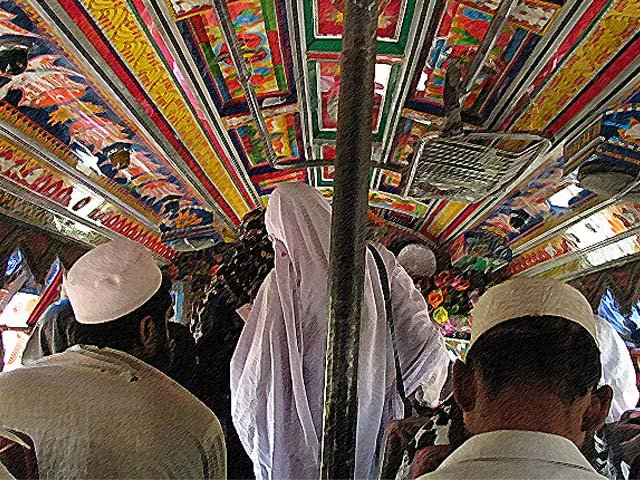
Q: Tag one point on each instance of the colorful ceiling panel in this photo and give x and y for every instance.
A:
(324, 20)
(156, 81)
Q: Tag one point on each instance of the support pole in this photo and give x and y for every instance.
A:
(348, 237)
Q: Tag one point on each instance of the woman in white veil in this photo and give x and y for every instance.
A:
(277, 372)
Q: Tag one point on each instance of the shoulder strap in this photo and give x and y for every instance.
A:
(386, 291)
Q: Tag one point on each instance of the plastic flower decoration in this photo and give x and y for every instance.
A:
(435, 298)
(440, 316)
(451, 301)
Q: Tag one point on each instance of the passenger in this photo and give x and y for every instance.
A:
(529, 388)
(52, 334)
(444, 430)
(277, 372)
(103, 411)
(57, 329)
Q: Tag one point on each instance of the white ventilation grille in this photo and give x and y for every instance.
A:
(471, 166)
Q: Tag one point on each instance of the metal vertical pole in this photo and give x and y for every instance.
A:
(348, 232)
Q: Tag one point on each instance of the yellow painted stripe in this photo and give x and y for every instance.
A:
(445, 217)
(127, 37)
(616, 26)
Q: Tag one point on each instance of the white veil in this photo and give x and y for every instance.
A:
(277, 372)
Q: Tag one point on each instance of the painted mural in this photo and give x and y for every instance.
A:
(38, 178)
(463, 27)
(330, 17)
(259, 35)
(285, 131)
(195, 157)
(328, 74)
(52, 94)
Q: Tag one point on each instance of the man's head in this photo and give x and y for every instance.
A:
(121, 300)
(533, 363)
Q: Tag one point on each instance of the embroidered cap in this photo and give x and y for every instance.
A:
(521, 297)
(111, 281)
(418, 260)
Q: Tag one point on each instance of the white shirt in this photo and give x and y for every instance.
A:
(100, 413)
(512, 454)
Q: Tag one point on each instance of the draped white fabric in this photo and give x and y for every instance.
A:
(277, 372)
(617, 369)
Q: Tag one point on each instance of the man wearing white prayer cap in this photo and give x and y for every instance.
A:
(100, 409)
(529, 388)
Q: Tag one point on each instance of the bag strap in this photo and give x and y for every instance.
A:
(386, 292)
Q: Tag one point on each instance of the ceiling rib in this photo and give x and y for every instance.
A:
(538, 59)
(295, 18)
(498, 22)
(415, 43)
(47, 204)
(534, 242)
(605, 266)
(231, 38)
(558, 261)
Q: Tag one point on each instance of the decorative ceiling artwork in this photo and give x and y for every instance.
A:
(139, 107)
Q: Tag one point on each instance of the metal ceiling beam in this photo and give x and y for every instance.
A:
(348, 237)
(544, 50)
(168, 29)
(605, 266)
(499, 20)
(295, 18)
(51, 206)
(50, 227)
(40, 152)
(558, 261)
(244, 77)
(423, 23)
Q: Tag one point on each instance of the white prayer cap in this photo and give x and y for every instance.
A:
(417, 260)
(534, 297)
(111, 281)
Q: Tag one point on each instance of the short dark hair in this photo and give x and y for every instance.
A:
(550, 351)
(124, 333)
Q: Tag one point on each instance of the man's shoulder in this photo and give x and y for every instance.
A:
(510, 468)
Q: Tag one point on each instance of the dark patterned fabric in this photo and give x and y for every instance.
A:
(18, 458)
(433, 441)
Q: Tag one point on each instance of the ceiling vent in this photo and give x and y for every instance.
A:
(471, 166)
(611, 179)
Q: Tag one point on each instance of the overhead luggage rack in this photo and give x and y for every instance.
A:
(471, 166)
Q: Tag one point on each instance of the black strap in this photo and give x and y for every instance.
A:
(386, 292)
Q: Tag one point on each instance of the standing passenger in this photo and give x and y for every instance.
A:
(103, 410)
(278, 369)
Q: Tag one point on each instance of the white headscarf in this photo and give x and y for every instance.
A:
(277, 372)
(617, 370)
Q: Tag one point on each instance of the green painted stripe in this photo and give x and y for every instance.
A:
(281, 77)
(269, 14)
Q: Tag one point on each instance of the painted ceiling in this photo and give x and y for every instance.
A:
(158, 79)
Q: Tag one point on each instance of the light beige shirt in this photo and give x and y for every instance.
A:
(513, 454)
(100, 413)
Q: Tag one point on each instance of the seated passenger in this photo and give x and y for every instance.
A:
(439, 434)
(529, 388)
(103, 410)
